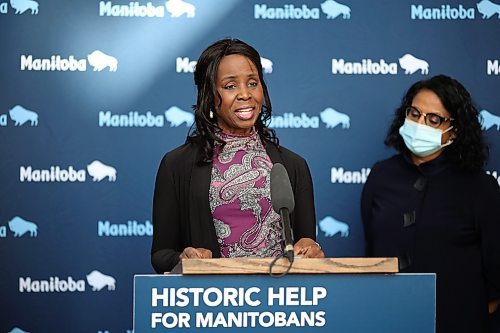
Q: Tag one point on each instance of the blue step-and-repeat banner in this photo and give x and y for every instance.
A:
(94, 93)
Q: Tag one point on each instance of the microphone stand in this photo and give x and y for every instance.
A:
(287, 234)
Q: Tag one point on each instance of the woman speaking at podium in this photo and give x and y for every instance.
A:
(212, 194)
(434, 207)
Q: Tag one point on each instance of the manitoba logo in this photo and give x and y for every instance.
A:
(20, 227)
(20, 7)
(54, 63)
(411, 64)
(332, 118)
(287, 12)
(131, 119)
(184, 65)
(332, 9)
(331, 226)
(20, 116)
(129, 229)
(132, 9)
(51, 285)
(99, 281)
(290, 120)
(486, 9)
(339, 175)
(408, 62)
(365, 66)
(493, 67)
(489, 120)
(267, 65)
(444, 12)
(96, 280)
(17, 330)
(176, 117)
(176, 9)
(329, 116)
(98, 60)
(97, 170)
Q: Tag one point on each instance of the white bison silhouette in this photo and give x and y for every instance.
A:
(100, 60)
(175, 116)
(98, 281)
(489, 120)
(17, 330)
(99, 171)
(330, 226)
(488, 8)
(20, 115)
(267, 65)
(20, 226)
(332, 118)
(23, 5)
(177, 8)
(411, 64)
(332, 9)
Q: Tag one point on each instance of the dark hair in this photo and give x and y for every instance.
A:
(468, 150)
(205, 76)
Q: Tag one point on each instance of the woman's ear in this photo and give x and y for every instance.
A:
(453, 134)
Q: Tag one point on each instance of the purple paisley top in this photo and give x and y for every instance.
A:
(240, 199)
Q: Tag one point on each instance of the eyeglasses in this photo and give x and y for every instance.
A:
(431, 119)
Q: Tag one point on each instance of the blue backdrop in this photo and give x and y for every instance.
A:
(94, 93)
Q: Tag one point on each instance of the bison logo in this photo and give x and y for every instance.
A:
(332, 118)
(489, 120)
(412, 64)
(488, 8)
(330, 226)
(20, 226)
(20, 115)
(23, 5)
(17, 330)
(332, 9)
(267, 65)
(99, 171)
(99, 60)
(176, 117)
(98, 281)
(177, 8)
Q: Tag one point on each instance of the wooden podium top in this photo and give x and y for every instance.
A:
(299, 266)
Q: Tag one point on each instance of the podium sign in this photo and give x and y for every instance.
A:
(305, 303)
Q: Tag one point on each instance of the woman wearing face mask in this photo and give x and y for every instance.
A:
(434, 207)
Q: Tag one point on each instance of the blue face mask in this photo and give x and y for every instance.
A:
(422, 140)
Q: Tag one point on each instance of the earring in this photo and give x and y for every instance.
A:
(211, 114)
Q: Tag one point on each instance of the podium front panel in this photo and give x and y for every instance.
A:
(388, 303)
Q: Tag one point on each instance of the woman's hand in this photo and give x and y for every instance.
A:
(308, 248)
(493, 306)
(195, 253)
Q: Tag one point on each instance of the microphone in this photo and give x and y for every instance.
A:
(283, 204)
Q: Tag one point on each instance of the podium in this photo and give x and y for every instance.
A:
(338, 295)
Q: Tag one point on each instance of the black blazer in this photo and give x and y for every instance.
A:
(181, 209)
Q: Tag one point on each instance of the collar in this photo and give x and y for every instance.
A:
(429, 168)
